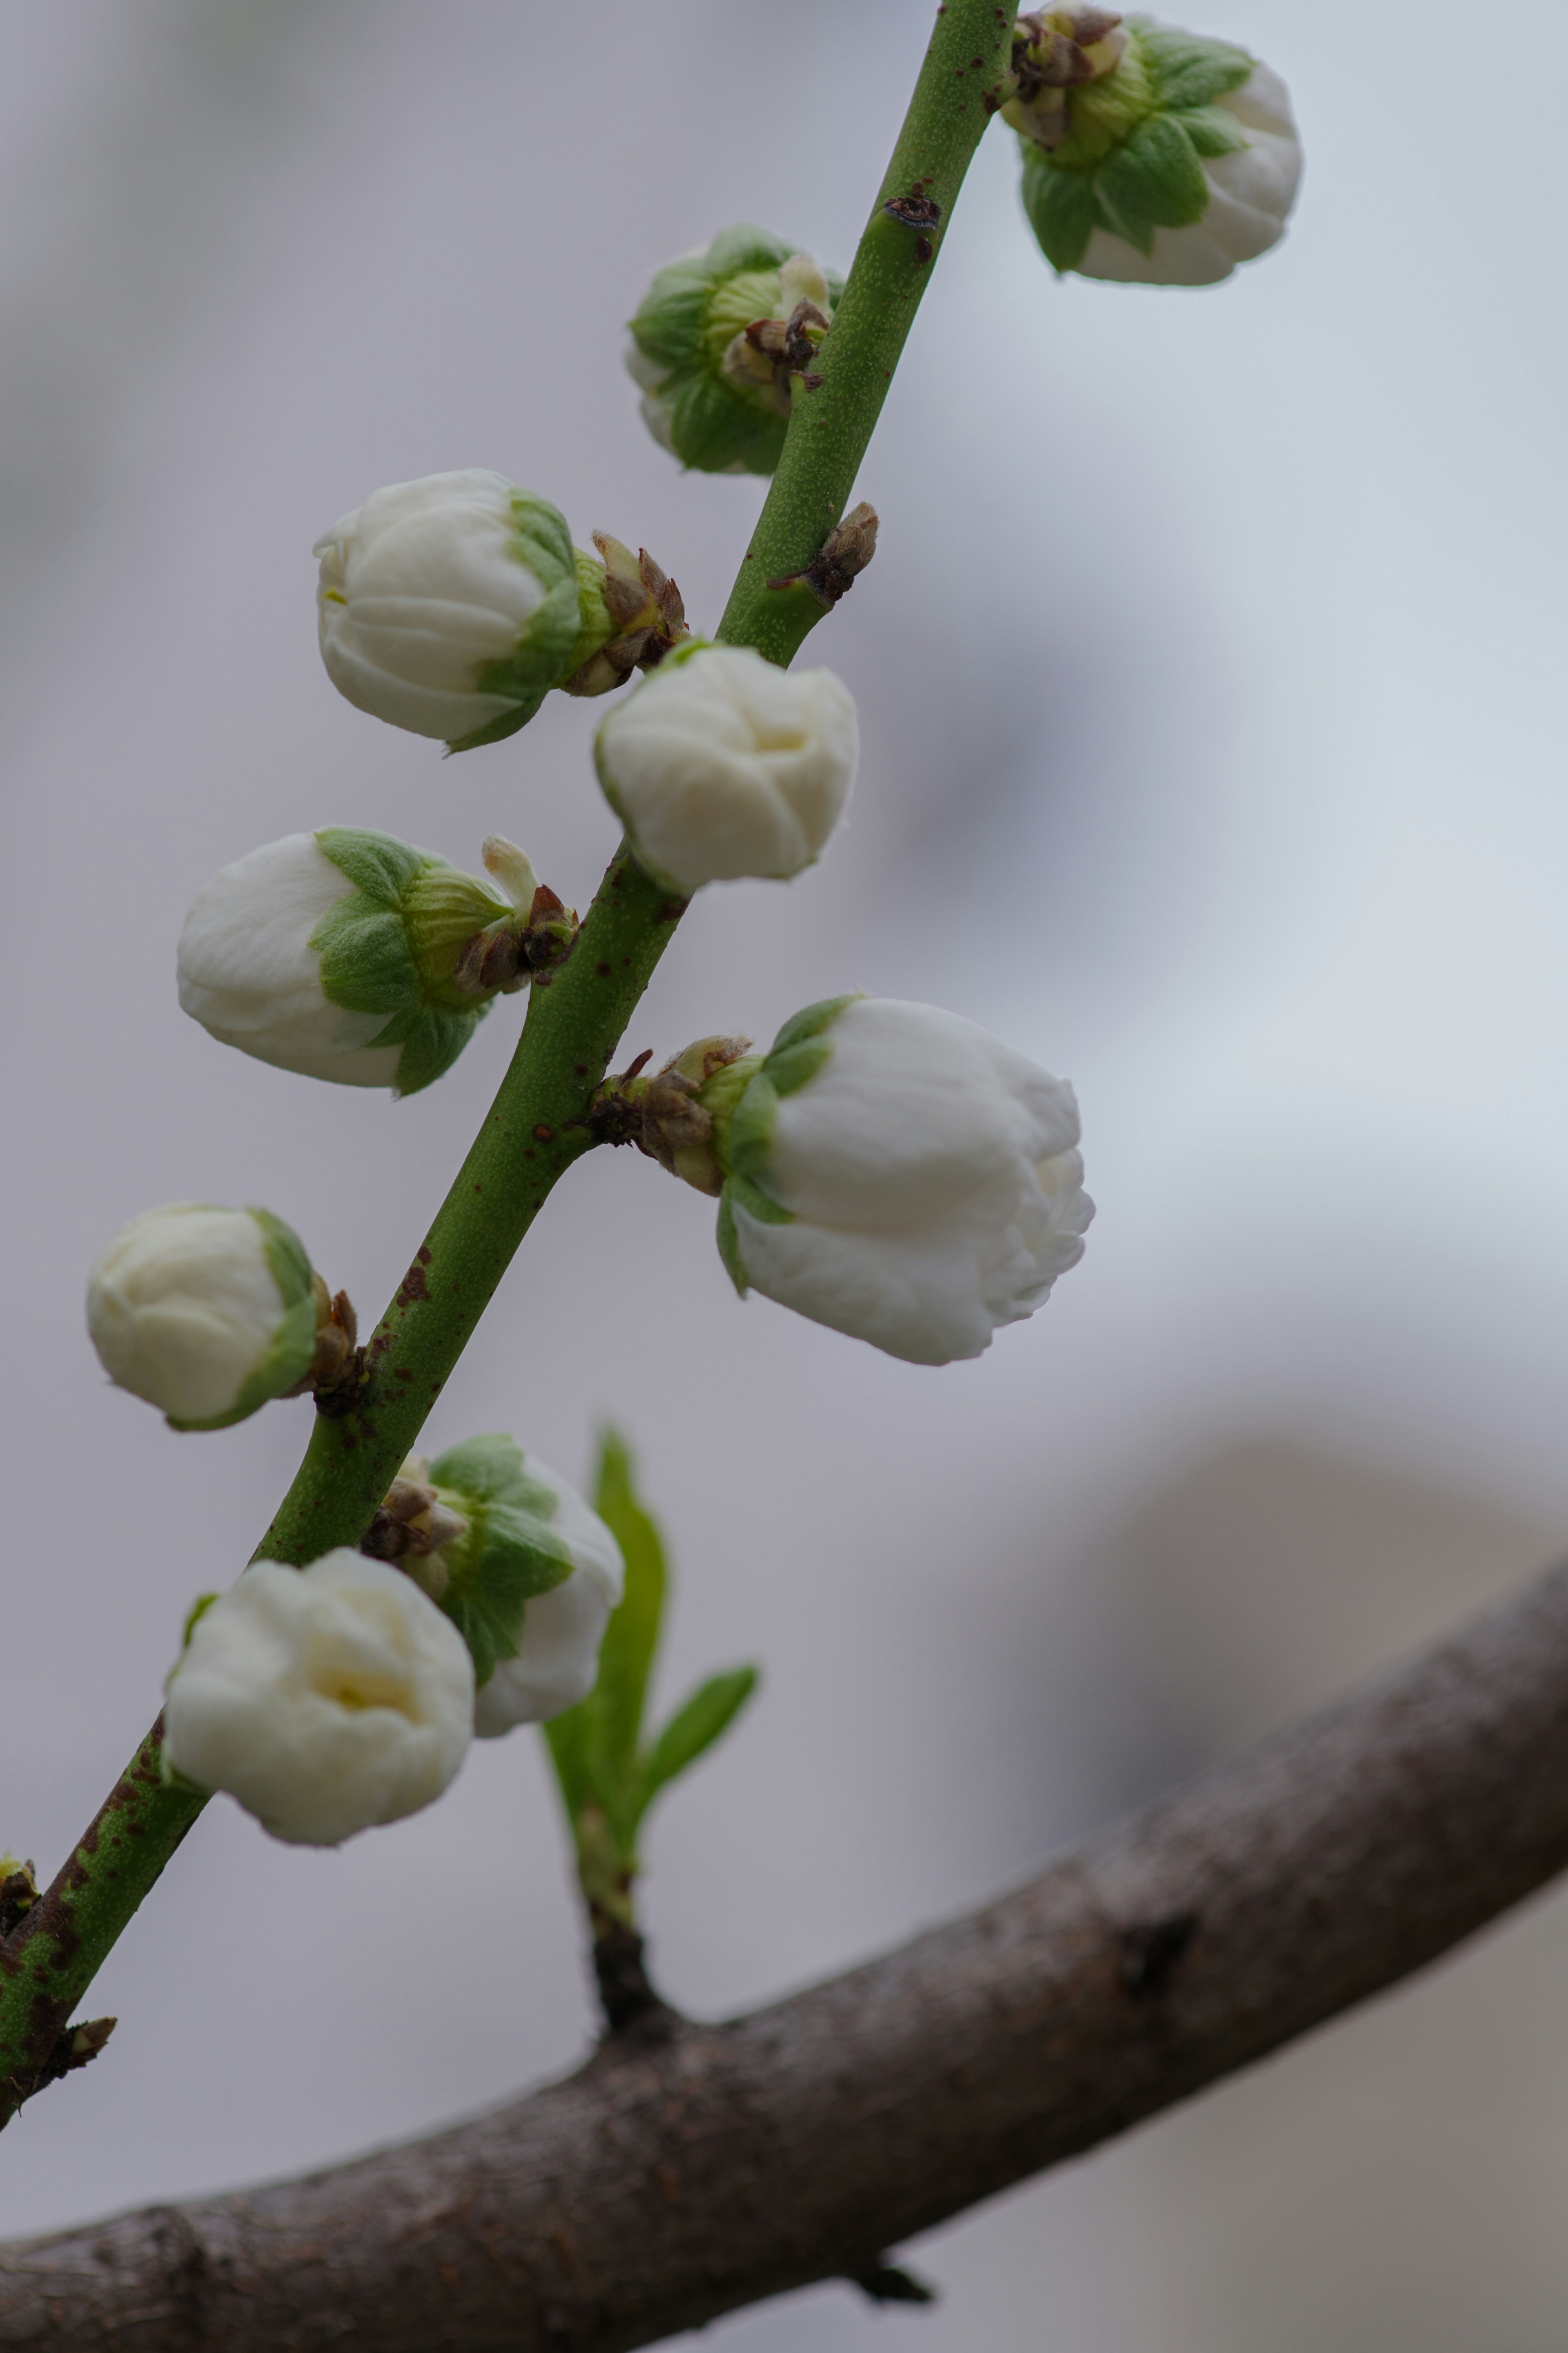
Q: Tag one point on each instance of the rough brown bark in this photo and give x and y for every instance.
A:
(690, 2169)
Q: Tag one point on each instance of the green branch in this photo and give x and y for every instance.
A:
(535, 1128)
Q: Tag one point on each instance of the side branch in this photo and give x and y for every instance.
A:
(689, 2170)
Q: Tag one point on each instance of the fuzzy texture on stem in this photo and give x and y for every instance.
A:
(536, 1127)
(689, 2170)
(964, 74)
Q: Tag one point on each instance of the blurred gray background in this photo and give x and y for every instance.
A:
(1213, 715)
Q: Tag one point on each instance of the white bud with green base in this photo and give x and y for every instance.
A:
(205, 1313)
(896, 1173)
(1151, 156)
(450, 605)
(337, 953)
(326, 1699)
(720, 342)
(530, 1580)
(722, 765)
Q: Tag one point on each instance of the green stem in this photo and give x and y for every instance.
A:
(535, 1128)
(970, 52)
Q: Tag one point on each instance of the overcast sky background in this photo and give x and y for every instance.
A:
(1212, 704)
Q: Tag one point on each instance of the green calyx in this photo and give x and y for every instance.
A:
(510, 1554)
(714, 417)
(744, 1141)
(1130, 157)
(391, 946)
(542, 545)
(289, 1355)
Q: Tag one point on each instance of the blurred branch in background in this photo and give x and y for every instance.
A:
(688, 2172)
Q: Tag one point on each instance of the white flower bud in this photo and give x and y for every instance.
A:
(721, 765)
(720, 341)
(1150, 155)
(325, 1699)
(557, 1657)
(336, 953)
(205, 1313)
(449, 606)
(900, 1175)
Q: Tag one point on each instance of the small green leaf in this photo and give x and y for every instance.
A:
(631, 1638)
(431, 1043)
(692, 1730)
(1060, 206)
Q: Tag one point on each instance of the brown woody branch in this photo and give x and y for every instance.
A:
(689, 2169)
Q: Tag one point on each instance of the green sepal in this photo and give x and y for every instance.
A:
(542, 543)
(377, 864)
(692, 1730)
(1187, 68)
(668, 325)
(810, 1022)
(194, 1616)
(757, 1203)
(729, 1241)
(1155, 180)
(747, 1140)
(431, 1042)
(287, 1259)
(1212, 130)
(511, 1553)
(1060, 208)
(361, 942)
(390, 946)
(789, 1072)
(713, 427)
(288, 1357)
(595, 627)
(443, 908)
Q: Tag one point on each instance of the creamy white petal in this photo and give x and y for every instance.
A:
(182, 1306)
(723, 765)
(325, 1700)
(933, 1181)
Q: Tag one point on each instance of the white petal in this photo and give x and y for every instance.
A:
(182, 1306)
(248, 974)
(722, 765)
(325, 1700)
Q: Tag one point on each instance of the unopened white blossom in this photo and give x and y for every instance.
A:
(1251, 191)
(719, 343)
(720, 764)
(205, 1313)
(449, 606)
(324, 1699)
(897, 1173)
(558, 1658)
(1152, 155)
(334, 953)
